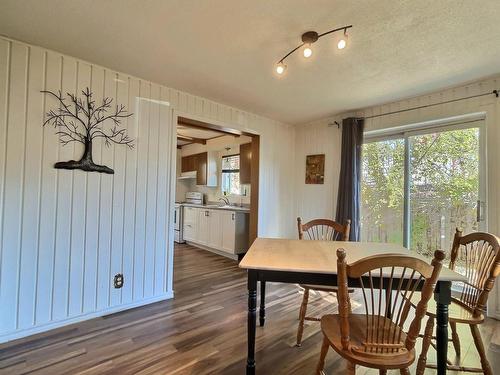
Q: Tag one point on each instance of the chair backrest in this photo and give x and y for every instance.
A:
(387, 284)
(476, 256)
(324, 230)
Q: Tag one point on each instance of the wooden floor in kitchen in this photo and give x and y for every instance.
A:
(201, 331)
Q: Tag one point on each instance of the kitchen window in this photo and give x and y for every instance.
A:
(231, 175)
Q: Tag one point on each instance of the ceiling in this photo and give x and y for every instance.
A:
(225, 50)
(195, 133)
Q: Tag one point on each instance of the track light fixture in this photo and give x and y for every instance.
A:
(308, 39)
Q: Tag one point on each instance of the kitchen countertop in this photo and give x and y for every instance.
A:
(217, 207)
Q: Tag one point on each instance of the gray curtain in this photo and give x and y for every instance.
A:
(349, 193)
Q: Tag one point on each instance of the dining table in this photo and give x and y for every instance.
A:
(315, 262)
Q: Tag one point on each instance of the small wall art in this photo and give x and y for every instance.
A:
(82, 120)
(315, 169)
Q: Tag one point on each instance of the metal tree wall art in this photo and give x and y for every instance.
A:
(81, 120)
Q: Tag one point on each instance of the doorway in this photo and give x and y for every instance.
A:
(248, 156)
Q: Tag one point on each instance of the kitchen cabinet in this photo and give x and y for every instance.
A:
(188, 163)
(228, 231)
(203, 227)
(215, 229)
(205, 166)
(222, 231)
(190, 223)
(245, 163)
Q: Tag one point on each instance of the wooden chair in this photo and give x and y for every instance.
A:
(377, 338)
(476, 256)
(321, 230)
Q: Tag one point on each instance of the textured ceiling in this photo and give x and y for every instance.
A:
(225, 49)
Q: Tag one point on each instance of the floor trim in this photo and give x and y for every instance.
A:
(94, 314)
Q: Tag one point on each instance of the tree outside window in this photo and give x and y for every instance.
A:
(231, 175)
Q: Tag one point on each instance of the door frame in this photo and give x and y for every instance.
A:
(221, 126)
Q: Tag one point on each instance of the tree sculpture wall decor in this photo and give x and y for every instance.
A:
(81, 120)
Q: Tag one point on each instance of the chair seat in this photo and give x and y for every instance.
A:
(457, 313)
(330, 325)
(323, 288)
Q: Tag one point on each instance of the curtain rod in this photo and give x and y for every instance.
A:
(494, 92)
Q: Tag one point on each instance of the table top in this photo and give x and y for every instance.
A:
(275, 254)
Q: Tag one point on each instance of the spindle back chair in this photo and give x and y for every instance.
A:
(321, 230)
(379, 337)
(476, 256)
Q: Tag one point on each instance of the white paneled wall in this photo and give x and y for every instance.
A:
(64, 234)
(317, 138)
(317, 200)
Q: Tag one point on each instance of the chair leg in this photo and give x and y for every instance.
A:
(480, 348)
(455, 338)
(426, 342)
(404, 371)
(324, 349)
(303, 310)
(351, 368)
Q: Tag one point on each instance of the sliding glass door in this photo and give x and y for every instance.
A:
(417, 187)
(382, 191)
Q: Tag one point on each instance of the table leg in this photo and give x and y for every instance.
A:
(442, 296)
(262, 311)
(252, 320)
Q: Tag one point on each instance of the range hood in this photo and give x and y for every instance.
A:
(187, 175)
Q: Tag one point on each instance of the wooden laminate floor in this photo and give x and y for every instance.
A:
(201, 331)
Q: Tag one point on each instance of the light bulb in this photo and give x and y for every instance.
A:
(307, 52)
(280, 68)
(342, 42)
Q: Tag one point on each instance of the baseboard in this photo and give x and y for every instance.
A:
(9, 336)
(212, 250)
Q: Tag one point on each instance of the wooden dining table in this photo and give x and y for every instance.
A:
(315, 262)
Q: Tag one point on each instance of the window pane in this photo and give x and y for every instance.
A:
(231, 183)
(382, 191)
(231, 174)
(231, 162)
(444, 187)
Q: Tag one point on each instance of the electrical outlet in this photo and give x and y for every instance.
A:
(118, 281)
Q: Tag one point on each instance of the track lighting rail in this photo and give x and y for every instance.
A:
(309, 38)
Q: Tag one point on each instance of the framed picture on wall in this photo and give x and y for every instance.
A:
(315, 169)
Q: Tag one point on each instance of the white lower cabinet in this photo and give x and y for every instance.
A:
(190, 223)
(203, 227)
(215, 229)
(228, 231)
(222, 230)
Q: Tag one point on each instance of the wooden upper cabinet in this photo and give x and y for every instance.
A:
(188, 163)
(201, 168)
(205, 166)
(245, 163)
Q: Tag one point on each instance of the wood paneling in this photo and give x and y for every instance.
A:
(245, 163)
(64, 234)
(201, 161)
(188, 163)
(202, 331)
(255, 199)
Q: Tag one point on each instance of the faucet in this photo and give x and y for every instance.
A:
(225, 201)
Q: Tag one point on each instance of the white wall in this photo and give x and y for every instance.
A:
(317, 200)
(311, 138)
(64, 234)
